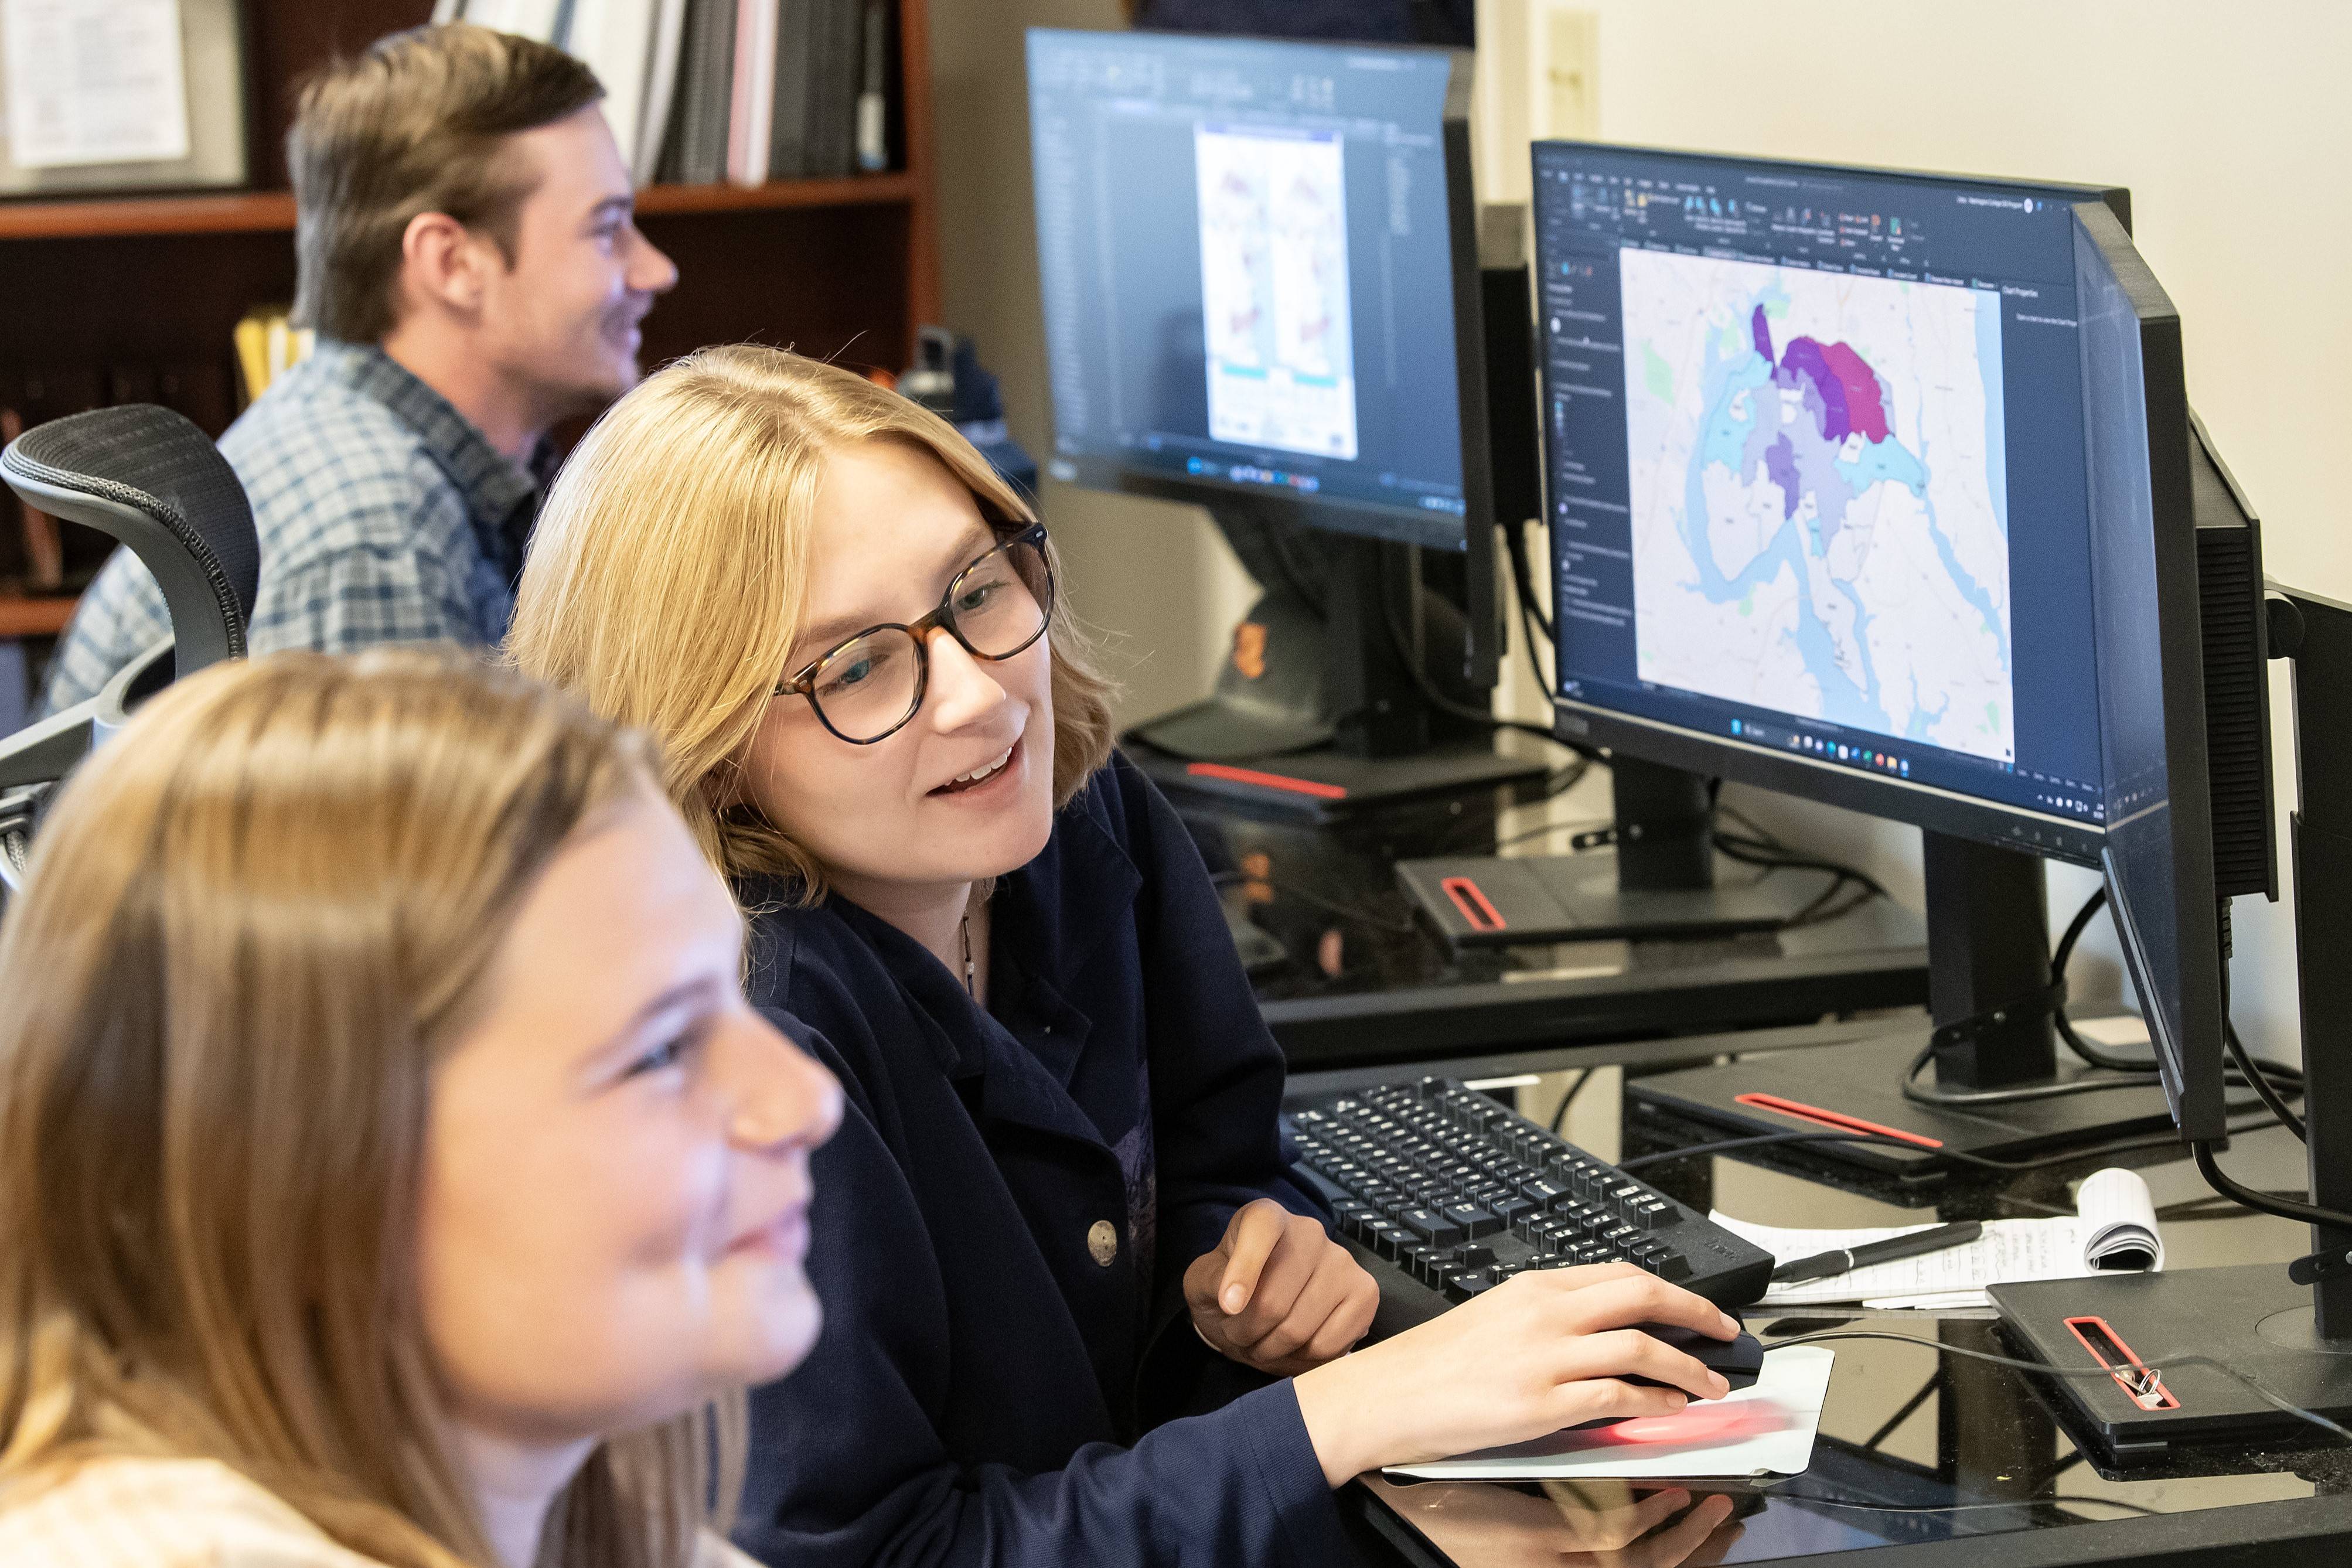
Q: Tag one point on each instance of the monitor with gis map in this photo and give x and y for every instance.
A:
(1817, 483)
(1259, 272)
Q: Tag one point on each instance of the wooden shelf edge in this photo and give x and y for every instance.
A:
(245, 212)
(864, 190)
(23, 615)
(266, 211)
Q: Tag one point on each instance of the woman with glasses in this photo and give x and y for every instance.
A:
(1057, 1215)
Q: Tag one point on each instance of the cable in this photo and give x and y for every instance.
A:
(2261, 1201)
(1560, 1111)
(1762, 849)
(1517, 533)
(1917, 1095)
(2058, 959)
(2261, 1084)
(2269, 1074)
(1531, 615)
(1444, 704)
(1771, 1489)
(2155, 1364)
(1959, 1156)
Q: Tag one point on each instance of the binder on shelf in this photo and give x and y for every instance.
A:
(788, 149)
(745, 91)
(874, 104)
(614, 39)
(698, 152)
(833, 89)
(661, 91)
(267, 346)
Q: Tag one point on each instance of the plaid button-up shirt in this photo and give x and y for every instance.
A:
(383, 515)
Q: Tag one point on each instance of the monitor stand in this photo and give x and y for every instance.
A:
(2294, 1339)
(1317, 714)
(1653, 874)
(1989, 996)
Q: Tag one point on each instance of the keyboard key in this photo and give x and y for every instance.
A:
(1431, 1228)
(1463, 1286)
(1474, 1221)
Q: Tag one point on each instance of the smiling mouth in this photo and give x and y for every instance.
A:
(979, 776)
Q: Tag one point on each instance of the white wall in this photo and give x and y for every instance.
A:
(2228, 123)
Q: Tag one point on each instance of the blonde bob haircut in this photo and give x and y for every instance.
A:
(249, 930)
(667, 578)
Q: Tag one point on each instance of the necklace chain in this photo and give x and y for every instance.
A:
(970, 988)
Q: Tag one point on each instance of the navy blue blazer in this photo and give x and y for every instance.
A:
(1003, 1224)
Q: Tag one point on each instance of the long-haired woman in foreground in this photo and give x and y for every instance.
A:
(390, 1169)
(1058, 1218)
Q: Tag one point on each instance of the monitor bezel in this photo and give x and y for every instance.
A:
(1928, 807)
(1473, 532)
(2192, 1069)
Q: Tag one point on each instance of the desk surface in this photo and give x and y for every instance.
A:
(1365, 981)
(1923, 1459)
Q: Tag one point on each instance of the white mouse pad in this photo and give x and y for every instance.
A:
(1764, 1429)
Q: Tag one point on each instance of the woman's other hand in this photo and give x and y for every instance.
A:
(1277, 1293)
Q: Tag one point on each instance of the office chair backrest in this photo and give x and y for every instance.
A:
(157, 483)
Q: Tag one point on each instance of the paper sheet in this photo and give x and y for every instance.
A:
(1766, 1429)
(2114, 1229)
(95, 81)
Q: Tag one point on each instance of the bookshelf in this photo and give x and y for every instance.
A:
(272, 212)
(115, 299)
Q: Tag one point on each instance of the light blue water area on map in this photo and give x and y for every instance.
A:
(1729, 416)
(1722, 440)
(1885, 462)
(1971, 589)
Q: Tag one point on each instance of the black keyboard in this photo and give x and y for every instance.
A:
(1455, 1195)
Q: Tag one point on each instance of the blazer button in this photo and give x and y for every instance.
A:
(1102, 1242)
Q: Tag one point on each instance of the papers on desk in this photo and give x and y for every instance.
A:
(1767, 1429)
(2112, 1231)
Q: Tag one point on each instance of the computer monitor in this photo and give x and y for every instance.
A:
(2177, 588)
(1259, 263)
(1884, 489)
(1828, 517)
(1817, 487)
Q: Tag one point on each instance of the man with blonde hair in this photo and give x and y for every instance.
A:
(465, 248)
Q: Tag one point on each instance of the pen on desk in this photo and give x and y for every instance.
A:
(1822, 1265)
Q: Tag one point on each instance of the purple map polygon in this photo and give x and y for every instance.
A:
(1842, 394)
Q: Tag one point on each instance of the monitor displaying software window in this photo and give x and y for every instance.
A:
(1817, 477)
(1247, 254)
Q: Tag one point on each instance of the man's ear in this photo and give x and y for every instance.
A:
(441, 262)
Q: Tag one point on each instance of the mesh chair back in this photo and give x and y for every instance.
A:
(154, 480)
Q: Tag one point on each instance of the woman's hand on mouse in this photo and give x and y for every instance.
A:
(1277, 1293)
(1544, 1351)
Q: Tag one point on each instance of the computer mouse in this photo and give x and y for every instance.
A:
(1739, 1360)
